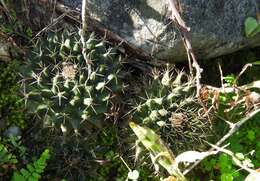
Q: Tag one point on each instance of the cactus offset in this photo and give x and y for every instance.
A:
(57, 86)
(170, 108)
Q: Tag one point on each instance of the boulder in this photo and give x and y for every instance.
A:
(217, 26)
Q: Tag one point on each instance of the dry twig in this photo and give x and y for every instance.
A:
(233, 129)
(187, 43)
(236, 161)
(83, 35)
(221, 77)
(46, 28)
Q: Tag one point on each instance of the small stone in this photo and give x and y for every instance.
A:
(13, 131)
(216, 27)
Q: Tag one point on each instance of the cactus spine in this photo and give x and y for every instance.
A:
(57, 87)
(170, 108)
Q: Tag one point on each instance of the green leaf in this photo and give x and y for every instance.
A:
(226, 177)
(166, 80)
(251, 27)
(36, 175)
(30, 168)
(35, 169)
(33, 179)
(158, 151)
(18, 177)
(256, 63)
(251, 135)
(224, 162)
(240, 156)
(25, 173)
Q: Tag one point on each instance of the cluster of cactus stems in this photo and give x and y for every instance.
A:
(170, 108)
(57, 87)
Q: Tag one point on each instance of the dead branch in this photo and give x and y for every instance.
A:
(221, 77)
(187, 43)
(83, 35)
(233, 129)
(46, 28)
(236, 161)
(176, 15)
(243, 71)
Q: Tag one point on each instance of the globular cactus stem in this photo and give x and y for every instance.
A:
(58, 87)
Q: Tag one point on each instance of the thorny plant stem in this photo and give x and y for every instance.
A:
(184, 33)
(83, 33)
(233, 129)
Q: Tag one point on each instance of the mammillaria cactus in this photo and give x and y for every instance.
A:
(170, 108)
(57, 87)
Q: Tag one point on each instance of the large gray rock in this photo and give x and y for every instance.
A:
(217, 26)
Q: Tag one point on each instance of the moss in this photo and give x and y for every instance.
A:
(11, 104)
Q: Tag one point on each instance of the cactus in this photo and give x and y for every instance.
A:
(170, 108)
(56, 84)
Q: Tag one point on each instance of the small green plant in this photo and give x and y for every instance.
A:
(223, 167)
(33, 171)
(11, 104)
(230, 80)
(57, 87)
(6, 157)
(234, 103)
(252, 27)
(16, 146)
(113, 167)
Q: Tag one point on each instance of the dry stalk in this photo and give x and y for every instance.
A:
(83, 33)
(221, 77)
(243, 71)
(46, 28)
(187, 43)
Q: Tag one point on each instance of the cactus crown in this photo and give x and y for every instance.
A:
(170, 108)
(57, 86)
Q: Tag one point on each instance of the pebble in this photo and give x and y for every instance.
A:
(13, 131)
